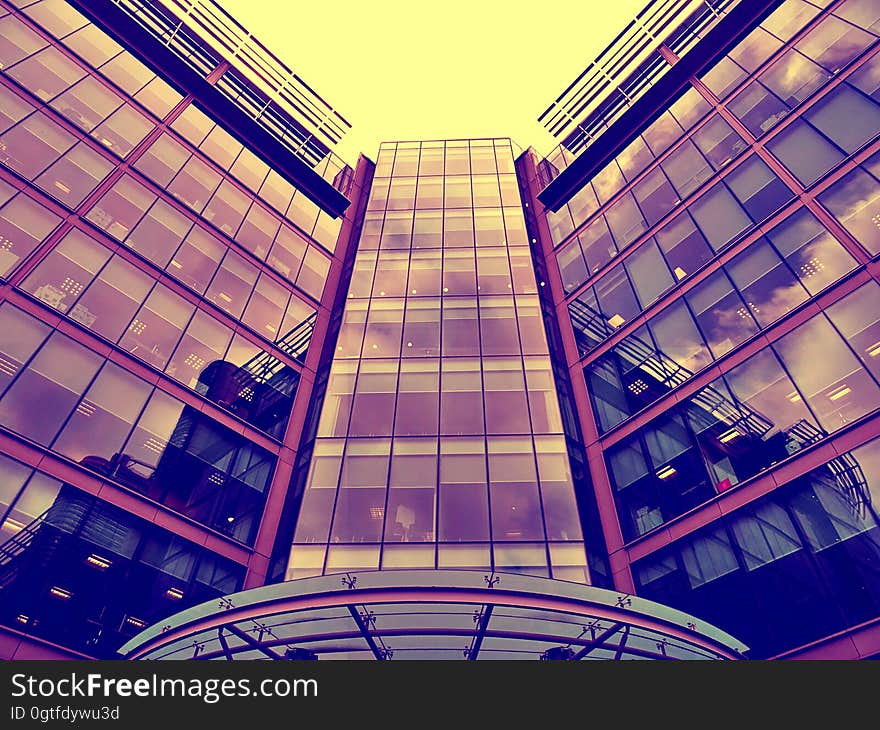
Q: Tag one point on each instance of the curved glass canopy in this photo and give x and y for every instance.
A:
(431, 614)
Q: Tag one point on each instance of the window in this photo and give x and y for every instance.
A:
(758, 190)
(123, 130)
(721, 314)
(313, 273)
(287, 253)
(811, 251)
(20, 336)
(266, 308)
(61, 277)
(765, 282)
(110, 301)
(758, 108)
(360, 505)
(162, 160)
(513, 487)
(194, 184)
(723, 77)
(418, 403)
(679, 340)
(119, 210)
(198, 257)
(763, 391)
(846, 117)
(597, 245)
(17, 41)
(825, 370)
(411, 496)
(718, 142)
(617, 301)
(794, 78)
(227, 209)
(23, 225)
(159, 233)
(505, 396)
(683, 246)
(805, 152)
(12, 108)
(857, 318)
(656, 197)
(855, 201)
(103, 418)
(156, 328)
(498, 329)
(719, 216)
(44, 394)
(34, 144)
(88, 103)
(46, 74)
(686, 168)
(833, 43)
(648, 272)
(461, 402)
(232, 284)
(75, 175)
(463, 509)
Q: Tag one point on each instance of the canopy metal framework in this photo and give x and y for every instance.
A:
(431, 614)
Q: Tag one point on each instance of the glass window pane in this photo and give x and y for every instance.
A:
(833, 43)
(655, 195)
(103, 418)
(857, 316)
(121, 207)
(686, 168)
(678, 339)
(162, 159)
(765, 282)
(20, 336)
(811, 251)
(805, 152)
(721, 314)
(75, 175)
(123, 130)
(156, 328)
(855, 201)
(648, 272)
(44, 394)
(232, 284)
(719, 216)
(23, 225)
(33, 144)
(846, 117)
(197, 259)
(47, 73)
(793, 77)
(827, 373)
(757, 188)
(597, 245)
(62, 276)
(683, 246)
(463, 509)
(758, 108)
(110, 301)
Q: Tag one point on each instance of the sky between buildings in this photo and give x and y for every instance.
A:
(456, 68)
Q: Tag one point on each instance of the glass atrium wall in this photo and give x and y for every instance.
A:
(440, 442)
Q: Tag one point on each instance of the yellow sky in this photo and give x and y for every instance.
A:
(458, 68)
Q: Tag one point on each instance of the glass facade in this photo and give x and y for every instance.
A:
(160, 287)
(227, 358)
(719, 277)
(440, 441)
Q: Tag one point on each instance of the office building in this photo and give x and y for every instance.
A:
(463, 399)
